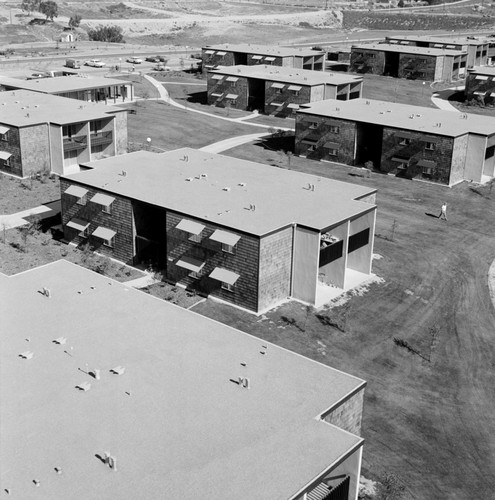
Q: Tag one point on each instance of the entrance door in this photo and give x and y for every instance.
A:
(369, 139)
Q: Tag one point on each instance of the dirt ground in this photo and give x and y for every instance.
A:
(17, 195)
(428, 417)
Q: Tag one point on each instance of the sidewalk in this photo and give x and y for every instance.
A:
(18, 219)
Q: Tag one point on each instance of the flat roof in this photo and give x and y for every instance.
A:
(20, 108)
(268, 50)
(482, 70)
(221, 189)
(290, 75)
(175, 423)
(459, 40)
(408, 49)
(403, 116)
(60, 84)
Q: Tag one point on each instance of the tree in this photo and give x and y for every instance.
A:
(30, 5)
(400, 4)
(75, 21)
(108, 33)
(49, 9)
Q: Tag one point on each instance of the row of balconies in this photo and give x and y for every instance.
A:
(81, 142)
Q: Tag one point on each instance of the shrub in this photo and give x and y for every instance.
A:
(112, 34)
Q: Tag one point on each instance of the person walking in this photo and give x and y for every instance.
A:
(443, 212)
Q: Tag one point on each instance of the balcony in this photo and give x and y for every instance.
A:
(75, 143)
(101, 139)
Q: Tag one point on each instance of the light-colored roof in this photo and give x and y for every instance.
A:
(221, 189)
(175, 423)
(445, 40)
(268, 50)
(403, 116)
(60, 84)
(20, 108)
(408, 49)
(288, 75)
(482, 70)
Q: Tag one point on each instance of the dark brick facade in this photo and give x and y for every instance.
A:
(426, 156)
(322, 138)
(415, 66)
(119, 220)
(367, 61)
(480, 88)
(220, 88)
(284, 96)
(414, 147)
(348, 415)
(275, 267)
(244, 262)
(12, 145)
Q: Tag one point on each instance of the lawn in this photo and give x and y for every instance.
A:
(428, 414)
(17, 195)
(169, 127)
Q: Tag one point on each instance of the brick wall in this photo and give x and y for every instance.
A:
(485, 86)
(415, 151)
(13, 146)
(284, 96)
(35, 149)
(348, 415)
(225, 87)
(367, 61)
(244, 262)
(323, 134)
(216, 60)
(275, 267)
(120, 220)
(415, 66)
(120, 136)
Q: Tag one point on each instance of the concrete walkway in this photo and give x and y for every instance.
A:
(164, 96)
(441, 98)
(218, 147)
(18, 219)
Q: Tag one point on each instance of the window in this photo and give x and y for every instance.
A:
(427, 171)
(84, 233)
(313, 125)
(334, 129)
(195, 275)
(195, 238)
(312, 147)
(422, 61)
(4, 137)
(96, 126)
(227, 286)
(358, 240)
(279, 91)
(404, 141)
(108, 243)
(295, 92)
(6, 162)
(228, 248)
(430, 146)
(233, 102)
(107, 209)
(82, 200)
(332, 152)
(489, 152)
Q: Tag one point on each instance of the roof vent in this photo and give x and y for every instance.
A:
(418, 116)
(226, 189)
(189, 179)
(242, 184)
(123, 173)
(244, 382)
(204, 176)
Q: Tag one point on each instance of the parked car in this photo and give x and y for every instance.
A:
(134, 60)
(72, 63)
(154, 59)
(161, 67)
(162, 58)
(96, 63)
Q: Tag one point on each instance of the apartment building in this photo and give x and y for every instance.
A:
(406, 61)
(243, 232)
(480, 84)
(144, 399)
(407, 141)
(247, 55)
(94, 89)
(47, 133)
(277, 91)
(477, 49)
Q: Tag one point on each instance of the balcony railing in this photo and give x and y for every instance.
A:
(101, 138)
(75, 143)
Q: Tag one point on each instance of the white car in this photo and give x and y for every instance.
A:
(96, 63)
(134, 60)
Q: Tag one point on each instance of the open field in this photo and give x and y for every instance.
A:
(430, 421)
